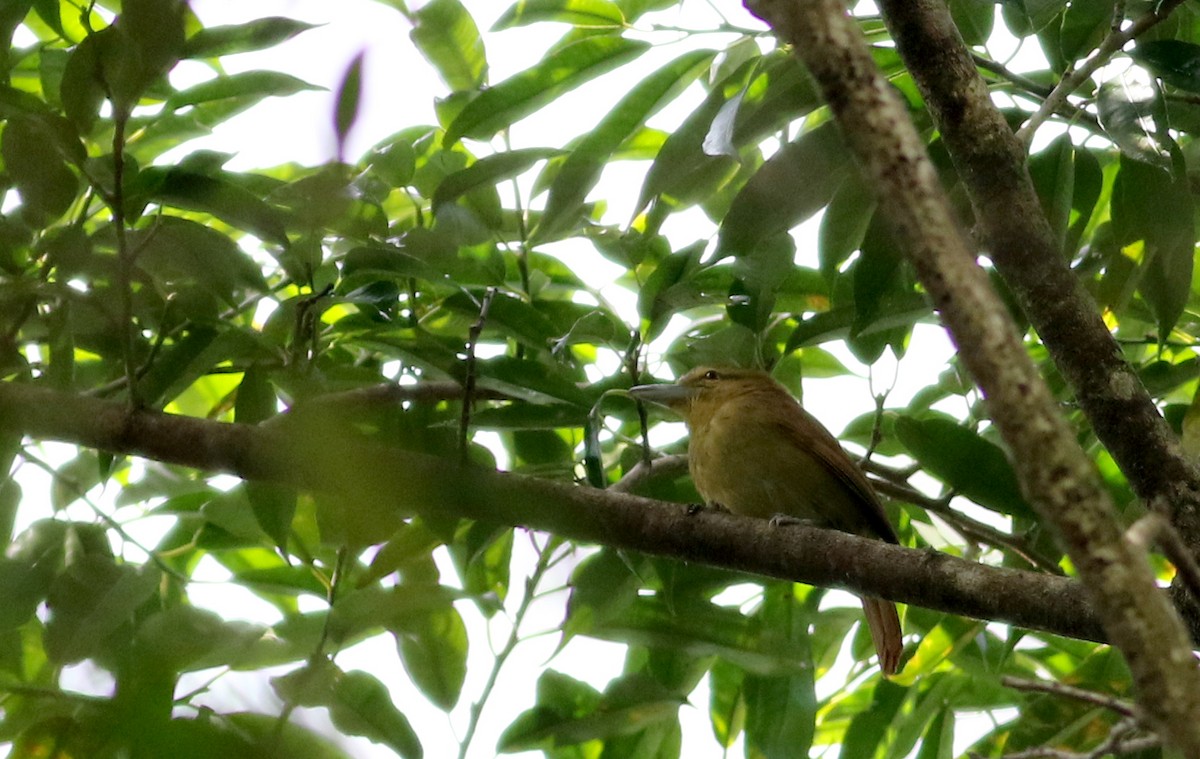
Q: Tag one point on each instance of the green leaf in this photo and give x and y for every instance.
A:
(257, 34)
(216, 195)
(179, 254)
(1084, 26)
(1174, 61)
(585, 163)
(1053, 174)
(47, 185)
(433, 648)
(972, 466)
(563, 70)
(447, 36)
(781, 710)
(244, 89)
(91, 601)
(867, 729)
(587, 13)
(22, 587)
(844, 224)
(567, 714)
(1131, 110)
(489, 171)
(141, 47)
(974, 19)
(938, 741)
(347, 101)
(361, 705)
(82, 88)
(1151, 205)
(791, 186)
(682, 171)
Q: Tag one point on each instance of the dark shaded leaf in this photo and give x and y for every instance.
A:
(1151, 205)
(1131, 111)
(1174, 61)
(790, 187)
(974, 467)
(347, 101)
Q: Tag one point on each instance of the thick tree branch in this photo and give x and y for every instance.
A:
(991, 162)
(386, 484)
(1054, 472)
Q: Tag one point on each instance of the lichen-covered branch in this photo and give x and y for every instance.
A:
(1055, 473)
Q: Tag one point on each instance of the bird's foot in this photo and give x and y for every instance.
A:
(787, 520)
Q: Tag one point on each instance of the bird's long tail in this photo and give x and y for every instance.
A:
(884, 624)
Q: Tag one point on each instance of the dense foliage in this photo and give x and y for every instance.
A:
(459, 258)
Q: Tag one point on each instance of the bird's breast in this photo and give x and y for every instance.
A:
(745, 460)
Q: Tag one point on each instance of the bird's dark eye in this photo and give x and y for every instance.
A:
(711, 374)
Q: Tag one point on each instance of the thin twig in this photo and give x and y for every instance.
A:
(632, 359)
(531, 583)
(643, 471)
(1155, 529)
(1111, 45)
(124, 255)
(464, 425)
(1118, 705)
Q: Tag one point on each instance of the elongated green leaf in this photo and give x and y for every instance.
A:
(257, 34)
(790, 187)
(361, 705)
(867, 729)
(782, 709)
(488, 172)
(1151, 205)
(222, 198)
(515, 98)
(347, 101)
(583, 167)
(966, 462)
(682, 166)
(632, 703)
(974, 20)
(1175, 62)
(844, 225)
(1084, 24)
(35, 166)
(92, 600)
(149, 40)
(1130, 108)
(181, 254)
(433, 648)
(588, 13)
(446, 34)
(248, 86)
(1053, 173)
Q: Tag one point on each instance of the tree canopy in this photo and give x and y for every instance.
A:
(386, 396)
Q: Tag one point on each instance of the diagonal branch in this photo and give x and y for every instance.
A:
(991, 162)
(1054, 472)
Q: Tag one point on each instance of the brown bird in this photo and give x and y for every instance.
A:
(756, 452)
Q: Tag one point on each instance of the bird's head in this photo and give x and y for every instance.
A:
(704, 389)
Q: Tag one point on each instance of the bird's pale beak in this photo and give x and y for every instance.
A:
(671, 396)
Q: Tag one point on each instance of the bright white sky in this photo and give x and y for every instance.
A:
(400, 88)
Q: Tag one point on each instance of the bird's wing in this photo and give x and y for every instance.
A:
(825, 447)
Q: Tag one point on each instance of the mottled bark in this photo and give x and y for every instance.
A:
(1056, 475)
